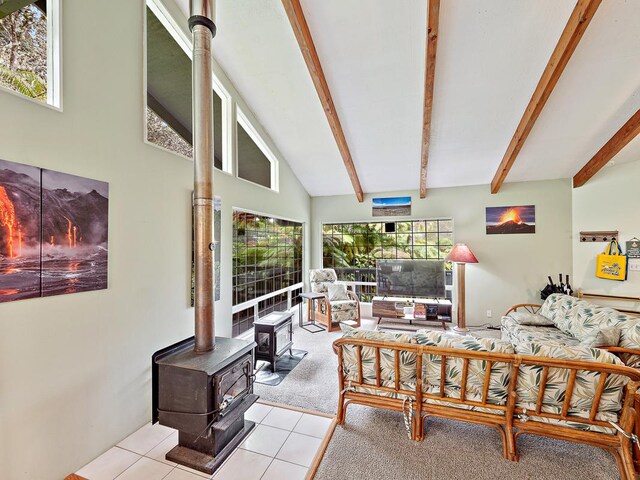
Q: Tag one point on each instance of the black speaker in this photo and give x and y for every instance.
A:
(390, 227)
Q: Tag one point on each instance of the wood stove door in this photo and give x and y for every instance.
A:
(283, 338)
(233, 384)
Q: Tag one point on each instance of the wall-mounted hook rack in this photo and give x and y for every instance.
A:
(599, 236)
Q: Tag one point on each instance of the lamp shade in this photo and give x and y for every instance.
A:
(461, 254)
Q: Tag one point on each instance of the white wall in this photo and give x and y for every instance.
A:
(511, 269)
(609, 201)
(75, 369)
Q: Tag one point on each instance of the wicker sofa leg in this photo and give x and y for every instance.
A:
(512, 443)
(627, 471)
(419, 426)
(636, 430)
(503, 436)
(342, 411)
(616, 454)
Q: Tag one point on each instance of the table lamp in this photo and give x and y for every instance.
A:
(461, 255)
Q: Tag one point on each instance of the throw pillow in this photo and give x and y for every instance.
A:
(531, 319)
(337, 291)
(607, 337)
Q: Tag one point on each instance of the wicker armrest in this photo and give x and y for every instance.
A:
(352, 295)
(529, 307)
(621, 350)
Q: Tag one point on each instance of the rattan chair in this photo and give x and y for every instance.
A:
(339, 305)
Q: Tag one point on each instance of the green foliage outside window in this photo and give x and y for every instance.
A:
(267, 257)
(353, 248)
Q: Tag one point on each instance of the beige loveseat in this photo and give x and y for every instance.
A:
(566, 392)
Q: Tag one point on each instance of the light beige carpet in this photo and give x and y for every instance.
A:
(373, 443)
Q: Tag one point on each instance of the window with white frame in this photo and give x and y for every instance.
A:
(168, 115)
(352, 249)
(267, 266)
(255, 162)
(238, 148)
(30, 49)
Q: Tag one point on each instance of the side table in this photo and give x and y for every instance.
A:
(311, 298)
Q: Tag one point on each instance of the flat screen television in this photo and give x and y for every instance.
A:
(410, 278)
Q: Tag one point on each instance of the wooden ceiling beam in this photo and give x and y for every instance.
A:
(610, 149)
(307, 47)
(429, 83)
(571, 35)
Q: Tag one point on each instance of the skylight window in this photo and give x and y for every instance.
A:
(256, 163)
(169, 117)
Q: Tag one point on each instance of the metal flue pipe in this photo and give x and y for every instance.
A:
(203, 30)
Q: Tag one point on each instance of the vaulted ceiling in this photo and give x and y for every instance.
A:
(490, 58)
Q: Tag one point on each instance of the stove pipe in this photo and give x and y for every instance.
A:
(203, 29)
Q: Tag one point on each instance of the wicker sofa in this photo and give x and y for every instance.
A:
(573, 322)
(565, 392)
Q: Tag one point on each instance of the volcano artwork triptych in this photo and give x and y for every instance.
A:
(53, 233)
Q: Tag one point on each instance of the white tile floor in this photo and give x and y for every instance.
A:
(281, 447)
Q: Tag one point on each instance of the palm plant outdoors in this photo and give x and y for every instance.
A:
(23, 81)
(353, 249)
(23, 52)
(360, 245)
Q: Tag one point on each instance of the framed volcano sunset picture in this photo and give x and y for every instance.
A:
(511, 219)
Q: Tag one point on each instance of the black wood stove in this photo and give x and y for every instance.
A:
(202, 386)
(204, 396)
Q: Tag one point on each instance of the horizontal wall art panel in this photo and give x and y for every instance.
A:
(53, 233)
(511, 219)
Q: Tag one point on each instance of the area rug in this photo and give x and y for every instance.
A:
(313, 384)
(284, 365)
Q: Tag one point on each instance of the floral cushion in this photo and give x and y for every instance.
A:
(321, 279)
(532, 319)
(587, 319)
(500, 372)
(629, 335)
(338, 316)
(344, 310)
(556, 308)
(573, 316)
(582, 320)
(516, 333)
(607, 337)
(586, 382)
(343, 305)
(387, 361)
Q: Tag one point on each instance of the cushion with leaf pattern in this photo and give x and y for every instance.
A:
(407, 364)
(586, 382)
(531, 319)
(607, 337)
(477, 371)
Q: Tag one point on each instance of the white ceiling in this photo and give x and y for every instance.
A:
(490, 57)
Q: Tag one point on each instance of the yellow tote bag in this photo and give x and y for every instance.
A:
(612, 264)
